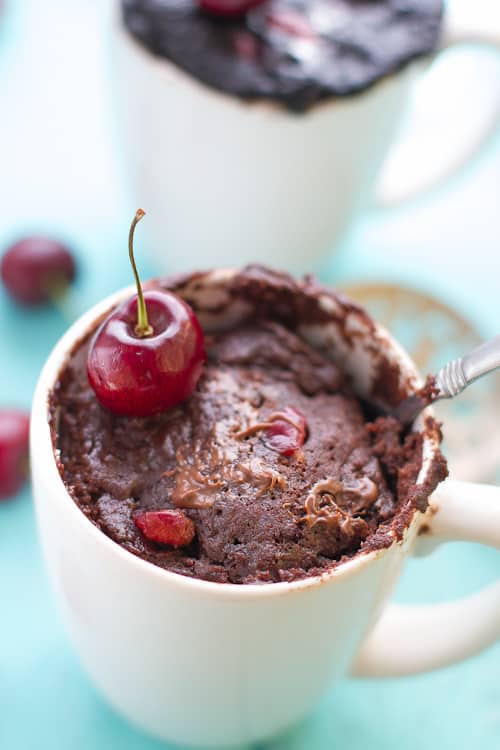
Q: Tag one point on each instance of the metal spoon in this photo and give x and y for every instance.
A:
(451, 380)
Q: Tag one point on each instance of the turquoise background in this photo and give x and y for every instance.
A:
(60, 172)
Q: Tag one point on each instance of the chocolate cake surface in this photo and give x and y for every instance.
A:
(296, 52)
(259, 516)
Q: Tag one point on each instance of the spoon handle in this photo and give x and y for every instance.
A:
(459, 373)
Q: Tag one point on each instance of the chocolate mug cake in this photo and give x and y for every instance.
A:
(273, 469)
(278, 465)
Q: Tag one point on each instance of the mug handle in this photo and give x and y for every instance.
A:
(412, 639)
(465, 22)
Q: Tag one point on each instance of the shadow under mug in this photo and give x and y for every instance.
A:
(206, 664)
(229, 182)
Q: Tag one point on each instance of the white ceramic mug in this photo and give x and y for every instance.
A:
(206, 664)
(229, 182)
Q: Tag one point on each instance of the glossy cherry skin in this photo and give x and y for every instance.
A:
(168, 526)
(14, 450)
(228, 8)
(35, 268)
(138, 377)
(287, 432)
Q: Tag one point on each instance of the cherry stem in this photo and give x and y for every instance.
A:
(142, 328)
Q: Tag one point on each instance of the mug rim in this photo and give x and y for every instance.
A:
(41, 442)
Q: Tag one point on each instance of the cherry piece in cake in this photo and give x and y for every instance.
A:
(169, 526)
(228, 8)
(287, 431)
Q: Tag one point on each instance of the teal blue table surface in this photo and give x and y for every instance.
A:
(60, 172)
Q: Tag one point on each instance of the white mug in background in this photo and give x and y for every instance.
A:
(229, 182)
(207, 664)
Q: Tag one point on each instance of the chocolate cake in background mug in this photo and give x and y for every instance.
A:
(260, 137)
(292, 52)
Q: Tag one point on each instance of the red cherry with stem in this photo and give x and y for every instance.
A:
(228, 8)
(147, 356)
(34, 270)
(286, 432)
(14, 451)
(170, 527)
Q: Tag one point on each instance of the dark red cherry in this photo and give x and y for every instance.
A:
(35, 269)
(168, 526)
(287, 431)
(14, 450)
(138, 376)
(147, 356)
(228, 8)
